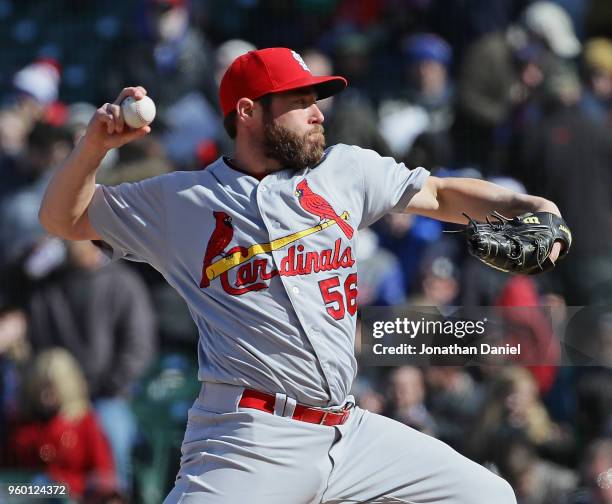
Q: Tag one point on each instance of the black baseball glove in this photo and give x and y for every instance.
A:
(518, 245)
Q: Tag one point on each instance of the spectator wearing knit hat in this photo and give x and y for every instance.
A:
(425, 104)
(33, 94)
(39, 81)
(550, 23)
(502, 73)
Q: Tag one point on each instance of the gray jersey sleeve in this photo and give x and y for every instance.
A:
(388, 186)
(131, 219)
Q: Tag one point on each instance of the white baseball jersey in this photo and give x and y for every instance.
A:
(268, 267)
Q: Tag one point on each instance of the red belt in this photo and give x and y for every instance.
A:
(265, 402)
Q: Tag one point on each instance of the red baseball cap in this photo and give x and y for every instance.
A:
(272, 70)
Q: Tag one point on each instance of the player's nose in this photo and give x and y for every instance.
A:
(316, 116)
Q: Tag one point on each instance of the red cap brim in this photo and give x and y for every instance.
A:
(325, 86)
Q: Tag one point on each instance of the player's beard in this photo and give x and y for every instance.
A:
(290, 149)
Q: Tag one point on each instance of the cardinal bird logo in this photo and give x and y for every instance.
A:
(317, 205)
(220, 238)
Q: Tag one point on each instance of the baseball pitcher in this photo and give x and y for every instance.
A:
(262, 248)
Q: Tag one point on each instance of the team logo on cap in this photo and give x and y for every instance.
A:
(299, 59)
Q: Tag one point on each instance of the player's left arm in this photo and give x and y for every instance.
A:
(446, 199)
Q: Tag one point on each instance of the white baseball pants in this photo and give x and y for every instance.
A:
(234, 455)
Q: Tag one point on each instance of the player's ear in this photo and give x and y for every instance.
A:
(245, 110)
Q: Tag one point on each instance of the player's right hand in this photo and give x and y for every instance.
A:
(106, 129)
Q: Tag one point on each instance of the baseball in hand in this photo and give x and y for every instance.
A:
(138, 113)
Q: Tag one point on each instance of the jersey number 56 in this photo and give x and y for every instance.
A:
(334, 300)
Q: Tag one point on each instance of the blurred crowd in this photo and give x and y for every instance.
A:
(97, 360)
